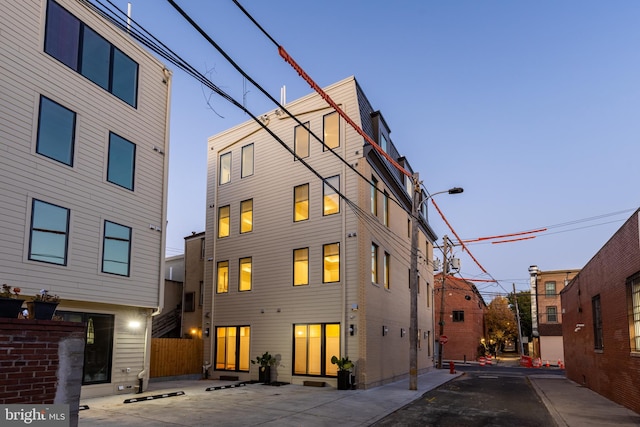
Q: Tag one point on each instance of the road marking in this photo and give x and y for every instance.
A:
(488, 376)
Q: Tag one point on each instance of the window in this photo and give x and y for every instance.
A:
(122, 158)
(222, 277)
(246, 169)
(190, 302)
(385, 208)
(409, 185)
(331, 262)
(223, 221)
(550, 289)
(428, 295)
(232, 348)
(386, 270)
(331, 199)
(301, 140)
(116, 250)
(552, 314)
(331, 130)
(83, 50)
(49, 233)
(598, 342)
(56, 131)
(98, 348)
(246, 216)
(225, 168)
(634, 311)
(313, 346)
(383, 143)
(244, 278)
(458, 316)
(202, 248)
(374, 263)
(374, 196)
(201, 299)
(301, 267)
(301, 203)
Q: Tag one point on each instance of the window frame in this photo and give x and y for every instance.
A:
(374, 263)
(242, 274)
(113, 176)
(548, 291)
(552, 313)
(221, 217)
(300, 202)
(596, 313)
(326, 136)
(240, 348)
(329, 194)
(457, 316)
(633, 295)
(105, 239)
(386, 270)
(58, 231)
(296, 261)
(246, 216)
(40, 134)
(385, 208)
(224, 173)
(325, 260)
(245, 163)
(220, 266)
(327, 369)
(299, 133)
(373, 198)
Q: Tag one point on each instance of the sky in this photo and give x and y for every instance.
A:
(531, 107)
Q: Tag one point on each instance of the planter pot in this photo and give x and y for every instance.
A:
(10, 307)
(343, 380)
(264, 375)
(41, 310)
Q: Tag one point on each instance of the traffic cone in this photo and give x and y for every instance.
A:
(547, 365)
(489, 360)
(482, 361)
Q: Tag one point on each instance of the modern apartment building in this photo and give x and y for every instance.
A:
(308, 256)
(547, 311)
(83, 178)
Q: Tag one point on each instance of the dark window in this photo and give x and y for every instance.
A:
(56, 131)
(116, 252)
(598, 343)
(49, 233)
(458, 316)
(552, 314)
(189, 301)
(550, 289)
(122, 159)
(83, 50)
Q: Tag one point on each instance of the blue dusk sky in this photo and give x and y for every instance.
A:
(531, 106)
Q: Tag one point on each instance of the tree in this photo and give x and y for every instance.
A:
(501, 322)
(524, 306)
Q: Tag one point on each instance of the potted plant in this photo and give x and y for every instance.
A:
(344, 371)
(266, 361)
(10, 303)
(43, 305)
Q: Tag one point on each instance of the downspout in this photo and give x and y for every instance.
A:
(343, 265)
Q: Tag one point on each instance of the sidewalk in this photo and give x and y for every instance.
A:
(295, 405)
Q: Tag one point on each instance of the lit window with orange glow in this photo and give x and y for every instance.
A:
(301, 203)
(386, 270)
(223, 221)
(331, 262)
(301, 267)
(245, 274)
(246, 216)
(330, 198)
(223, 277)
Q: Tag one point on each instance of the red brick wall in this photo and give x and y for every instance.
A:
(613, 371)
(30, 361)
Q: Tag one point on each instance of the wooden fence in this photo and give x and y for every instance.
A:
(175, 356)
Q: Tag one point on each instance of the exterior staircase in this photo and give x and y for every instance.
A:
(165, 323)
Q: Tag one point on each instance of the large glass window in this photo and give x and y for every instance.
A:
(232, 348)
(56, 131)
(116, 251)
(98, 348)
(331, 262)
(301, 267)
(598, 341)
(244, 278)
(246, 216)
(222, 277)
(49, 233)
(634, 312)
(122, 159)
(246, 168)
(77, 46)
(374, 196)
(386, 270)
(331, 198)
(331, 130)
(225, 168)
(301, 202)
(301, 140)
(313, 347)
(374, 263)
(223, 221)
(550, 289)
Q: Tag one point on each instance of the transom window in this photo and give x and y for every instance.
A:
(331, 198)
(49, 233)
(331, 128)
(331, 262)
(225, 168)
(56, 131)
(313, 347)
(222, 275)
(301, 140)
(122, 158)
(301, 203)
(246, 169)
(246, 216)
(232, 348)
(223, 221)
(73, 43)
(301, 267)
(245, 275)
(116, 252)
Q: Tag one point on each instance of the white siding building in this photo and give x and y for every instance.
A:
(83, 178)
(295, 269)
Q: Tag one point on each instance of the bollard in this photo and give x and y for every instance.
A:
(452, 367)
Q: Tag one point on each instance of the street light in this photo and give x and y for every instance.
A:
(413, 277)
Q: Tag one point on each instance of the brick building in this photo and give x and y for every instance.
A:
(602, 319)
(464, 310)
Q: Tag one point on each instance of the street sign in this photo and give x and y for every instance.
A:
(443, 339)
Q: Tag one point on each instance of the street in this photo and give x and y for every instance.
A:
(482, 396)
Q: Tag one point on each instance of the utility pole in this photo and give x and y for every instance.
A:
(445, 270)
(515, 297)
(413, 280)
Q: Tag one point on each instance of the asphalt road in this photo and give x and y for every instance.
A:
(498, 397)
